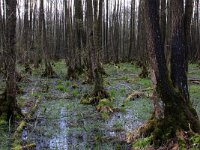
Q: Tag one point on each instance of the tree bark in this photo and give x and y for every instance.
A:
(44, 44)
(10, 59)
(178, 47)
(94, 64)
(177, 113)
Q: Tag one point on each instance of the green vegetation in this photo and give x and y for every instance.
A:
(62, 100)
(142, 143)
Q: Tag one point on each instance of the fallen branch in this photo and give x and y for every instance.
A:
(134, 96)
(18, 132)
(138, 94)
(28, 147)
(194, 80)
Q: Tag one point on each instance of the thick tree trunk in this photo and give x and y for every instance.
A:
(178, 54)
(95, 69)
(75, 67)
(163, 19)
(176, 113)
(10, 54)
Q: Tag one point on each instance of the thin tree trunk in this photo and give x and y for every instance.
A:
(44, 44)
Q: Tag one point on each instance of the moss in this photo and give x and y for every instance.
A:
(19, 147)
(182, 144)
(134, 95)
(142, 143)
(3, 119)
(105, 115)
(118, 126)
(112, 93)
(86, 99)
(61, 87)
(105, 102)
(195, 140)
(75, 92)
(19, 129)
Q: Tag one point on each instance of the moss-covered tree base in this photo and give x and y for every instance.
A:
(176, 119)
(72, 74)
(144, 73)
(28, 69)
(9, 108)
(95, 97)
(89, 77)
(49, 72)
(3, 107)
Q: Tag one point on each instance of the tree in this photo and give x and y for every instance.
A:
(176, 111)
(141, 43)
(8, 105)
(44, 44)
(132, 31)
(95, 68)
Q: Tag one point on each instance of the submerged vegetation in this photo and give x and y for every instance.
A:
(99, 74)
(63, 120)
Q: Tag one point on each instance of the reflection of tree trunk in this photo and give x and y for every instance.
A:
(175, 111)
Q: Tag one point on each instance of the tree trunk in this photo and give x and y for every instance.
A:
(44, 45)
(177, 113)
(132, 32)
(178, 54)
(163, 19)
(10, 54)
(95, 67)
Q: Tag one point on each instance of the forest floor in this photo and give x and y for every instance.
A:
(62, 122)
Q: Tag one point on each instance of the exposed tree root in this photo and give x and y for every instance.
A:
(94, 98)
(164, 129)
(181, 140)
(98, 95)
(17, 143)
(135, 95)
